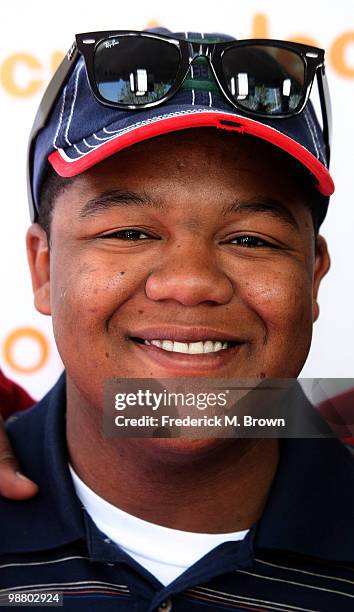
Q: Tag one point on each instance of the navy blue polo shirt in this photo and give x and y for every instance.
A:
(298, 556)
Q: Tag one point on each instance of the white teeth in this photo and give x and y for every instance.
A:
(196, 347)
(180, 347)
(167, 345)
(156, 343)
(190, 348)
(208, 346)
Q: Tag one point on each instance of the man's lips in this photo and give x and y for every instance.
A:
(187, 364)
(184, 334)
(176, 360)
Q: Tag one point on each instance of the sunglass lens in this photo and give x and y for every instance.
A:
(265, 79)
(135, 70)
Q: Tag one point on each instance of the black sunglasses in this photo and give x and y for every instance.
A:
(263, 78)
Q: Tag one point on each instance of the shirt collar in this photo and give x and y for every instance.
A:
(309, 511)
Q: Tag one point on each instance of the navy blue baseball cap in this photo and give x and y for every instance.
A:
(81, 132)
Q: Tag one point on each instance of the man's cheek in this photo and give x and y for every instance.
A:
(88, 292)
(281, 301)
(72, 294)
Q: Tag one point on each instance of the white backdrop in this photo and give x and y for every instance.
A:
(35, 34)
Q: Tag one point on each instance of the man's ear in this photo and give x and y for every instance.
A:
(322, 265)
(38, 259)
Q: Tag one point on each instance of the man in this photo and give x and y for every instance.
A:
(168, 252)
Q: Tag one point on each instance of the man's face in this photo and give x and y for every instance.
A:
(196, 236)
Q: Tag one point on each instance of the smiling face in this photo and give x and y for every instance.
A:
(200, 237)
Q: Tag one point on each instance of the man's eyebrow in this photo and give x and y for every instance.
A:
(265, 206)
(116, 198)
(124, 198)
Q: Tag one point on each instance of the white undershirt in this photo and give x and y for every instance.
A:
(166, 553)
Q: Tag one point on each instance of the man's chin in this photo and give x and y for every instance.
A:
(182, 449)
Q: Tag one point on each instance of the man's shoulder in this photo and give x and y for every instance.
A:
(24, 428)
(310, 508)
(53, 516)
(28, 431)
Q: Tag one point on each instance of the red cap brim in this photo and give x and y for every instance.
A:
(67, 167)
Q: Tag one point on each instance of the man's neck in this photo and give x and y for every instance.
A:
(201, 485)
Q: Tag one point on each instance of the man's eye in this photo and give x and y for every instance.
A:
(251, 242)
(129, 234)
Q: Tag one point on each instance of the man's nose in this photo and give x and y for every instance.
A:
(190, 274)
